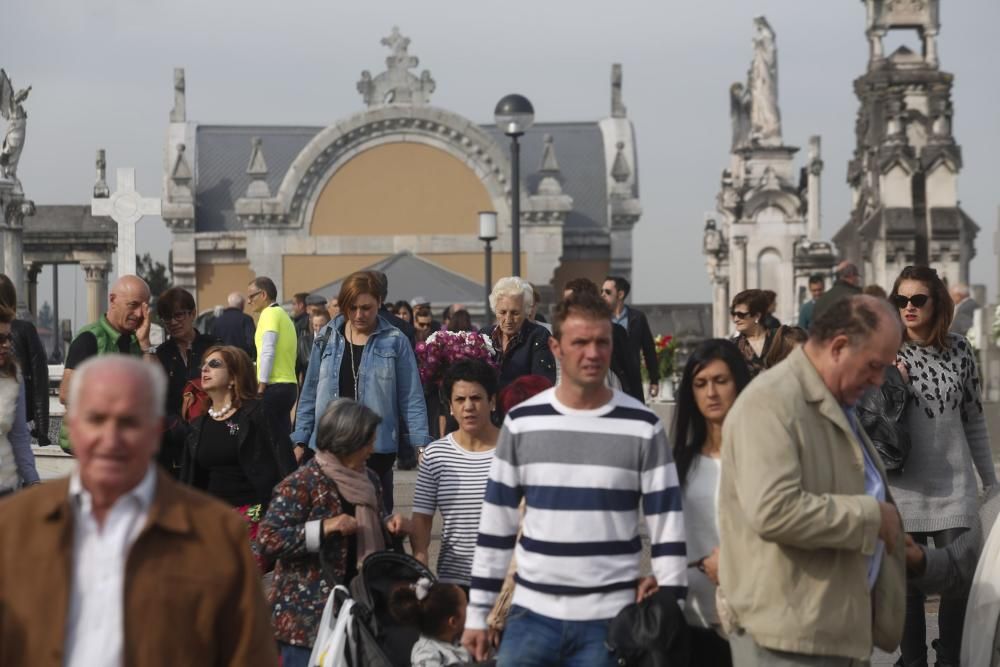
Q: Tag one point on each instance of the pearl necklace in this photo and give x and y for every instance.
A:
(216, 414)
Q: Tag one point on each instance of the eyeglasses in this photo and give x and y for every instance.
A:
(178, 316)
(251, 297)
(6, 339)
(739, 314)
(918, 300)
(213, 363)
(607, 292)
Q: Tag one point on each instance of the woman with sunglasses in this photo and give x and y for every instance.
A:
(714, 376)
(17, 462)
(180, 357)
(230, 452)
(936, 491)
(753, 337)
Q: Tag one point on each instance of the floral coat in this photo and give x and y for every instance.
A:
(299, 592)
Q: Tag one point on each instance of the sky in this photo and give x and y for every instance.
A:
(102, 77)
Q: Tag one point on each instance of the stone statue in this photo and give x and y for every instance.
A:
(179, 113)
(765, 118)
(12, 109)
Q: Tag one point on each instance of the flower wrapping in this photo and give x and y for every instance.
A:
(443, 348)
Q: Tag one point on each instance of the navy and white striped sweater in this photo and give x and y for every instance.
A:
(584, 475)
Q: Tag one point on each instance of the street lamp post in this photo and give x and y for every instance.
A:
(514, 115)
(488, 234)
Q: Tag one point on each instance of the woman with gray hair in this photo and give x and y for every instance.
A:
(331, 504)
(522, 346)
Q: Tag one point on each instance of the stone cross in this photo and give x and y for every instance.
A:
(126, 207)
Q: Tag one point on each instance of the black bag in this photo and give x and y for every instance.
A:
(651, 633)
(881, 411)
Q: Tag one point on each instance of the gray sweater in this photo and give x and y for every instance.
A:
(937, 488)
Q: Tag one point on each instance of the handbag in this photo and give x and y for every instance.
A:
(881, 412)
(651, 633)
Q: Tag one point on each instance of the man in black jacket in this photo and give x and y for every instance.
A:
(615, 290)
(847, 283)
(235, 327)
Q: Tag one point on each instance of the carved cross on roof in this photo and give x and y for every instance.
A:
(397, 42)
(397, 85)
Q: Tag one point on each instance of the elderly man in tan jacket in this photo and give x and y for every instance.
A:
(119, 564)
(811, 565)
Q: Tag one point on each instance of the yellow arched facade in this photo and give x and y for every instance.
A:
(400, 188)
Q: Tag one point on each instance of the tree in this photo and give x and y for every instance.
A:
(155, 274)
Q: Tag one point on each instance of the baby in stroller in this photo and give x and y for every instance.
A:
(438, 609)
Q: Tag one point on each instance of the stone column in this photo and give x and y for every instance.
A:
(11, 238)
(815, 169)
(31, 271)
(738, 267)
(95, 274)
(720, 307)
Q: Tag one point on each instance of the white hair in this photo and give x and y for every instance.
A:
(513, 287)
(236, 300)
(961, 289)
(151, 375)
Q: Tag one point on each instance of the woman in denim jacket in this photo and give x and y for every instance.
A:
(362, 357)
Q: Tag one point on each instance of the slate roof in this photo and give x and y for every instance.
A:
(67, 219)
(224, 152)
(411, 276)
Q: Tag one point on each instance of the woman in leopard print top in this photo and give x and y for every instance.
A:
(936, 492)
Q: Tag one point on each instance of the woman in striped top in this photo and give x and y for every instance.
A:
(454, 470)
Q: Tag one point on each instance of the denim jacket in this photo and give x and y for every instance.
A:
(388, 384)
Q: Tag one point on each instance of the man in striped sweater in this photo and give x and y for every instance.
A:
(585, 458)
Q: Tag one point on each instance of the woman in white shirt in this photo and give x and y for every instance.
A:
(454, 470)
(714, 375)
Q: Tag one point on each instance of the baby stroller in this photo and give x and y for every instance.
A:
(357, 629)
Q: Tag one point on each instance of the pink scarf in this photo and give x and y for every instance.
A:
(357, 488)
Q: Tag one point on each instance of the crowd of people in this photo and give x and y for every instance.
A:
(817, 481)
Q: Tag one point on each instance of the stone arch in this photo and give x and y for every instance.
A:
(337, 144)
(789, 203)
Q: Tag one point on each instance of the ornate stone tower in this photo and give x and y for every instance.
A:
(904, 173)
(765, 230)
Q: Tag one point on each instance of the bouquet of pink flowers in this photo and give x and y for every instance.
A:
(443, 348)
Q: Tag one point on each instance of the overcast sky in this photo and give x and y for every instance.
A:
(102, 73)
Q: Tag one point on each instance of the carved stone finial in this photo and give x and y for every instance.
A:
(257, 170)
(181, 172)
(620, 171)
(179, 113)
(549, 185)
(617, 105)
(101, 189)
(397, 85)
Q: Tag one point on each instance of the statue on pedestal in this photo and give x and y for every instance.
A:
(12, 109)
(765, 118)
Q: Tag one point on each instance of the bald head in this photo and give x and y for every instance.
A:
(959, 292)
(128, 303)
(236, 300)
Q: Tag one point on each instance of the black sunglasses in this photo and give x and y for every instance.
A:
(213, 363)
(739, 314)
(6, 339)
(918, 300)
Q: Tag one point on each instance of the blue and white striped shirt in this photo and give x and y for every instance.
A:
(584, 475)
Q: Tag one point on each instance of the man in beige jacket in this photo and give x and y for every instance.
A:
(811, 563)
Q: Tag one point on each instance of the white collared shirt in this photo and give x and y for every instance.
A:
(95, 626)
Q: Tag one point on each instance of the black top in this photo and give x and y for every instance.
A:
(347, 373)
(234, 327)
(179, 373)
(641, 339)
(527, 354)
(218, 455)
(625, 362)
(399, 323)
(31, 359)
(84, 347)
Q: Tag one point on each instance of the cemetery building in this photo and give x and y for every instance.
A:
(904, 172)
(765, 231)
(309, 205)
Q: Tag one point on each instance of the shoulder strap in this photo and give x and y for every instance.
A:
(324, 340)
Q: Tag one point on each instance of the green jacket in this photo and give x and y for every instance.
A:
(796, 527)
(107, 343)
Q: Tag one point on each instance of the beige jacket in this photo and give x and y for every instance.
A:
(796, 527)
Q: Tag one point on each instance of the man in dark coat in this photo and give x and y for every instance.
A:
(235, 327)
(614, 291)
(847, 283)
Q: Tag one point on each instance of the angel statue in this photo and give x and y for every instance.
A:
(12, 109)
(765, 118)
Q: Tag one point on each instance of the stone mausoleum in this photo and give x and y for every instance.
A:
(904, 172)
(309, 205)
